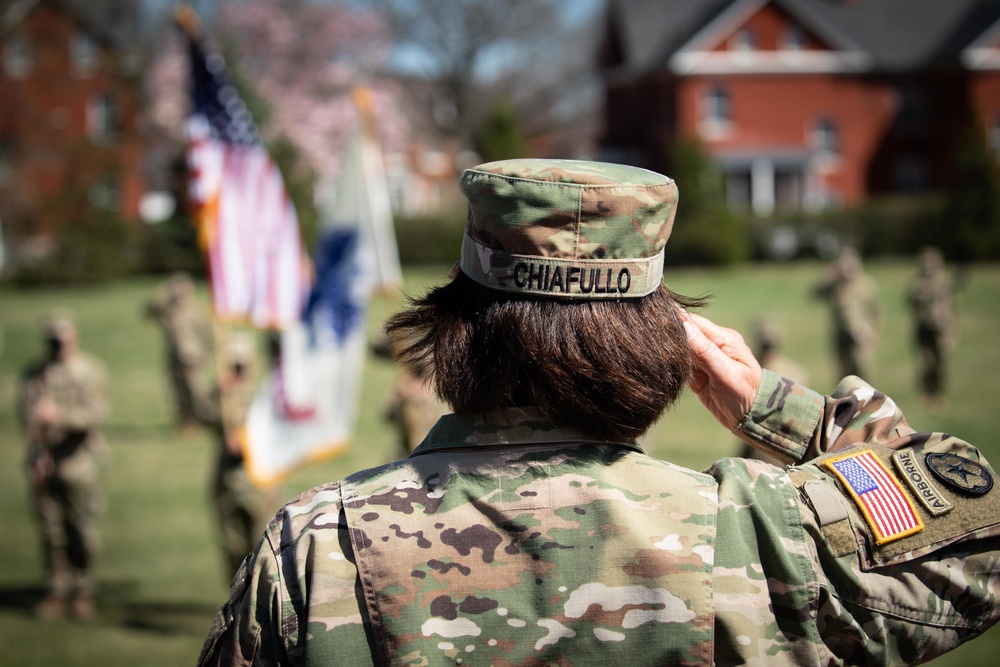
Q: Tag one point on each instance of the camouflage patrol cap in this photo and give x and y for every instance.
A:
(567, 228)
(57, 324)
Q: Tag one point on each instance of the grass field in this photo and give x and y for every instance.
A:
(160, 570)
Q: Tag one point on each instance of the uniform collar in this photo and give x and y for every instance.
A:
(507, 427)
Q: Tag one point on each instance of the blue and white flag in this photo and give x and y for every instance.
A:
(306, 409)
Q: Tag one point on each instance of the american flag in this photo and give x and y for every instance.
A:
(882, 500)
(248, 227)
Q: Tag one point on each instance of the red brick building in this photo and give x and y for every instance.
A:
(69, 109)
(803, 103)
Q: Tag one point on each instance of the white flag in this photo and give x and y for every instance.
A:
(307, 408)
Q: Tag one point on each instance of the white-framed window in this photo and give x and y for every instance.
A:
(793, 39)
(717, 106)
(826, 137)
(83, 54)
(102, 117)
(744, 40)
(18, 56)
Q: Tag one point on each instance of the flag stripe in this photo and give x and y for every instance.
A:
(893, 511)
(882, 507)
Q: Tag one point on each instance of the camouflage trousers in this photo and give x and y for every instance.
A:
(853, 358)
(931, 344)
(67, 512)
(184, 382)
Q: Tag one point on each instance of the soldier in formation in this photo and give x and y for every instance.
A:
(932, 302)
(188, 334)
(768, 338)
(854, 303)
(241, 508)
(63, 400)
(529, 528)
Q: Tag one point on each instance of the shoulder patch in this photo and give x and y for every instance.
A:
(920, 483)
(878, 494)
(960, 473)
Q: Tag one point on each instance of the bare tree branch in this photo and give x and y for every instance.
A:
(480, 52)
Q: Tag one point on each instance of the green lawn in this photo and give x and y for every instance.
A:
(160, 571)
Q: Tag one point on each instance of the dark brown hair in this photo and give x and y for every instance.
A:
(607, 368)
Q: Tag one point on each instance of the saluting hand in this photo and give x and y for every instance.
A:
(726, 375)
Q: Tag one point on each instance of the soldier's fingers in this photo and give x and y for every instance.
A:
(713, 347)
(719, 335)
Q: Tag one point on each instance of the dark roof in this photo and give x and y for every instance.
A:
(112, 21)
(899, 35)
(904, 35)
(650, 30)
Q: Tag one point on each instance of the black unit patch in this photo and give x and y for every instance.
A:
(960, 473)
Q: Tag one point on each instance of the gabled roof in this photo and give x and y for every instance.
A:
(893, 35)
(13, 12)
(984, 52)
(842, 52)
(905, 35)
(650, 30)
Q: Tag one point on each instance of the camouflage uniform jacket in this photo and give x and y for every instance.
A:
(932, 299)
(516, 543)
(79, 388)
(187, 328)
(190, 335)
(856, 308)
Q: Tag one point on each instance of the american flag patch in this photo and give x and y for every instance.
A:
(885, 505)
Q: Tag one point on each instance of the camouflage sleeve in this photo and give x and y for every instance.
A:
(797, 424)
(29, 392)
(246, 631)
(193, 338)
(874, 304)
(159, 302)
(895, 586)
(300, 585)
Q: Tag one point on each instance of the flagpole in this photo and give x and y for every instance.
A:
(185, 15)
(365, 104)
(188, 20)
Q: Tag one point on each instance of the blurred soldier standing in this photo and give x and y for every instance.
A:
(241, 508)
(932, 302)
(63, 400)
(529, 528)
(768, 338)
(853, 298)
(188, 333)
